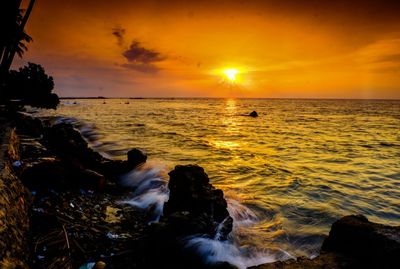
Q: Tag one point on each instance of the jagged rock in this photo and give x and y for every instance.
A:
(253, 114)
(194, 208)
(357, 237)
(193, 198)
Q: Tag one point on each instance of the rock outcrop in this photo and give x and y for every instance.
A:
(194, 208)
(194, 205)
(353, 242)
(68, 144)
(371, 243)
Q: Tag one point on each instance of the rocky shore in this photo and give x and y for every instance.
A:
(60, 209)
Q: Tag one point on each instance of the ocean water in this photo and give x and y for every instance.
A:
(287, 175)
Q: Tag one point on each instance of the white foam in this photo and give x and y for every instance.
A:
(213, 251)
(151, 191)
(241, 214)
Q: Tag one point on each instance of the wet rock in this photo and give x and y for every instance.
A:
(115, 168)
(92, 180)
(194, 208)
(44, 173)
(353, 242)
(69, 145)
(26, 124)
(357, 237)
(193, 197)
(53, 173)
(136, 157)
(253, 114)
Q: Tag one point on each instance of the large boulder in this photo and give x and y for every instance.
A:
(357, 237)
(195, 208)
(194, 205)
(353, 242)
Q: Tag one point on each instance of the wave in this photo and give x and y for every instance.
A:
(92, 137)
(151, 190)
(214, 251)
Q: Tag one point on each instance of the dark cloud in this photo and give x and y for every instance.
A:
(139, 54)
(119, 33)
(142, 59)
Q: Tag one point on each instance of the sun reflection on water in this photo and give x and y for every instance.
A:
(300, 165)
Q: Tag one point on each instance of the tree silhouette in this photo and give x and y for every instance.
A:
(32, 86)
(12, 35)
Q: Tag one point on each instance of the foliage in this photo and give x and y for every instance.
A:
(13, 38)
(32, 86)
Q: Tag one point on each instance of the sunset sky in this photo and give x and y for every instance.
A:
(307, 49)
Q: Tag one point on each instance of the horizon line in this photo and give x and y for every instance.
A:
(255, 98)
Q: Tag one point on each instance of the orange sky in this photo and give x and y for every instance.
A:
(317, 49)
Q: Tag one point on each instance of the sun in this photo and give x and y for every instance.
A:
(230, 74)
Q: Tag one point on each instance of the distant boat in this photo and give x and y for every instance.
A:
(126, 103)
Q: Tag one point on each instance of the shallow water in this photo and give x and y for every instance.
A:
(288, 174)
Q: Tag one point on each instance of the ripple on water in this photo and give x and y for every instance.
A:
(299, 166)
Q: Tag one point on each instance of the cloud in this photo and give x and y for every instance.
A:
(119, 33)
(139, 54)
(142, 59)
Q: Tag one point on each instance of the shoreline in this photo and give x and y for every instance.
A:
(94, 172)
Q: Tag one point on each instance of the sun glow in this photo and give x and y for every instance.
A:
(230, 74)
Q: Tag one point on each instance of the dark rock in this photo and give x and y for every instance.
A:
(191, 194)
(44, 173)
(69, 145)
(353, 242)
(53, 173)
(26, 124)
(91, 180)
(253, 114)
(355, 236)
(136, 157)
(194, 208)
(112, 168)
(115, 168)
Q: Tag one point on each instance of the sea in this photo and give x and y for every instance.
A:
(287, 174)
